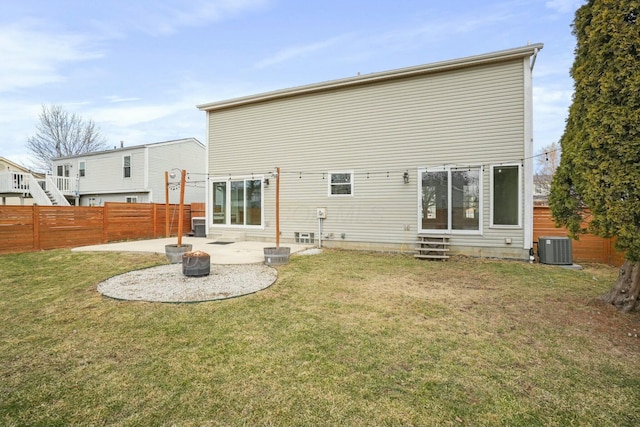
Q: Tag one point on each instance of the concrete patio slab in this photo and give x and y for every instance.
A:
(228, 253)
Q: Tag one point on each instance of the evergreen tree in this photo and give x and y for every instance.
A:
(599, 174)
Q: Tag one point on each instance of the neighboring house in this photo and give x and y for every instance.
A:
(442, 149)
(14, 183)
(133, 174)
(541, 188)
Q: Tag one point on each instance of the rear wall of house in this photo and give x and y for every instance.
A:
(465, 117)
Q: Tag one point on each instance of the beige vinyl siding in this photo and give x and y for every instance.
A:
(469, 116)
(164, 157)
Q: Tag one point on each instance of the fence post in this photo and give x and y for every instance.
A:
(105, 222)
(155, 218)
(36, 227)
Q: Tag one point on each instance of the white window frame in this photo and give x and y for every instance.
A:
(492, 196)
(450, 230)
(228, 180)
(351, 179)
(82, 171)
(124, 166)
(131, 199)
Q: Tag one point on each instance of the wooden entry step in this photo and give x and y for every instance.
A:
(432, 247)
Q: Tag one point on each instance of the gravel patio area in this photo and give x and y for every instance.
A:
(166, 283)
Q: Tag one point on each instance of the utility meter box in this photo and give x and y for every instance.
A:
(321, 213)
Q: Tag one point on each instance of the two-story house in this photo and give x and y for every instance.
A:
(134, 174)
(382, 161)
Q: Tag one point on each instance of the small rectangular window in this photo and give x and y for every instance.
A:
(132, 199)
(506, 195)
(341, 183)
(127, 166)
(82, 169)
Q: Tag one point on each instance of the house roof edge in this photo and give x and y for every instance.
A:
(502, 55)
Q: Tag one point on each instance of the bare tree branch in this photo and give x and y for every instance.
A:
(59, 134)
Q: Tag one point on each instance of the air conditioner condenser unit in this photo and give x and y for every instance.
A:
(555, 250)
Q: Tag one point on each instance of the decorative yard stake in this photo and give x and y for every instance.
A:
(166, 204)
(181, 212)
(175, 252)
(277, 255)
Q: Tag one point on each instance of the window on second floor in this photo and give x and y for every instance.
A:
(126, 164)
(63, 170)
(82, 169)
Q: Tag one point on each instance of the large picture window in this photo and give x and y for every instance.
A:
(505, 192)
(451, 200)
(237, 202)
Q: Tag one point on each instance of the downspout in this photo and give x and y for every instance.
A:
(533, 59)
(527, 161)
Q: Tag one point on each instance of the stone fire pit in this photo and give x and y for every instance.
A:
(196, 263)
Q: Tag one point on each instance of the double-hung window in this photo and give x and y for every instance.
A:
(82, 170)
(63, 170)
(451, 200)
(126, 166)
(505, 196)
(237, 202)
(340, 183)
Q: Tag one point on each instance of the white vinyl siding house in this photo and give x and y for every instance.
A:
(135, 174)
(388, 155)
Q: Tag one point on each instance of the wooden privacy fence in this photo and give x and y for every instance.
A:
(29, 228)
(588, 248)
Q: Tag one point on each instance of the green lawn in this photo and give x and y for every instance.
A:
(342, 338)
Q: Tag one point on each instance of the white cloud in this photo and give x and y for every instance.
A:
(117, 99)
(134, 115)
(169, 16)
(564, 6)
(427, 33)
(550, 108)
(34, 56)
(298, 51)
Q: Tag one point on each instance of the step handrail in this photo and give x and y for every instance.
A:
(57, 195)
(38, 194)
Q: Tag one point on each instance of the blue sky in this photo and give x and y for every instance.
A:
(138, 68)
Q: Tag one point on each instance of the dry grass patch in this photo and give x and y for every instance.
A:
(341, 338)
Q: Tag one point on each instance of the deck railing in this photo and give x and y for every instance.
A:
(14, 182)
(26, 184)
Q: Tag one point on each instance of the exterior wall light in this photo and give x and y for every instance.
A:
(405, 177)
